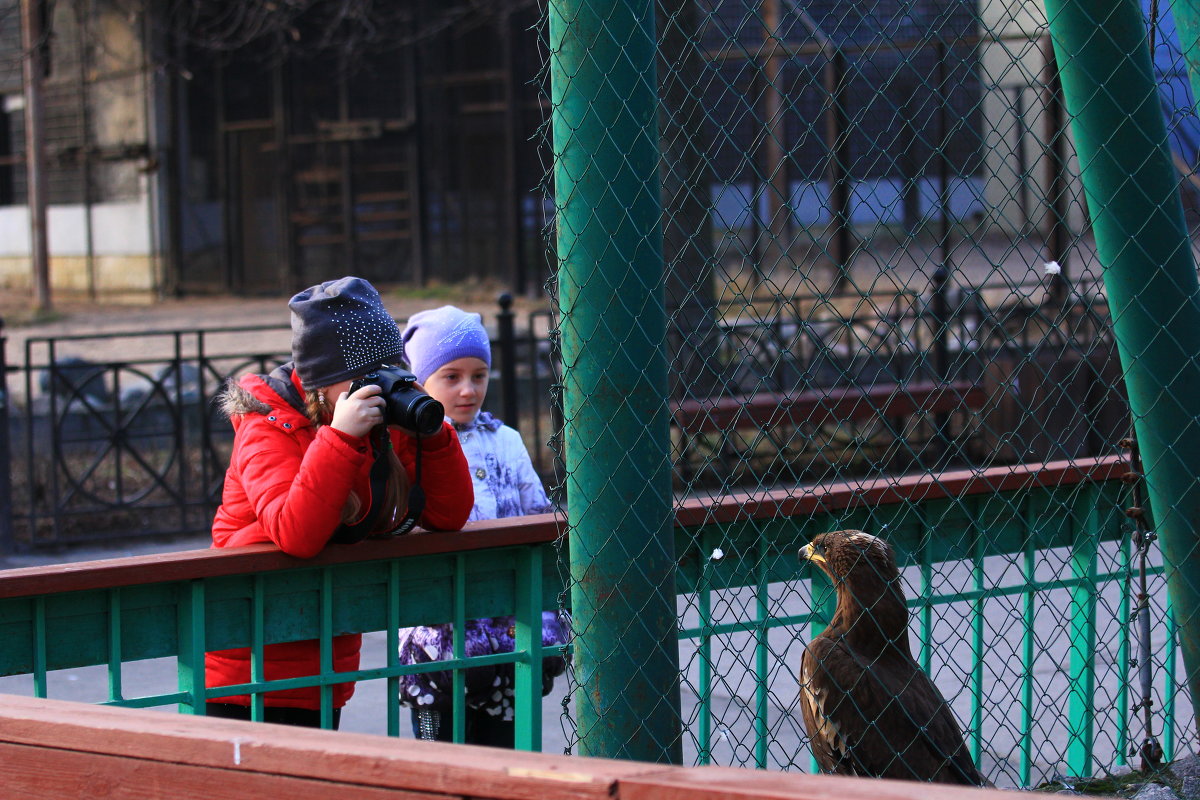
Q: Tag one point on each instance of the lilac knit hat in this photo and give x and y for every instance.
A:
(441, 335)
(341, 330)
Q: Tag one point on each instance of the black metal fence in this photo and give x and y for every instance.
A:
(112, 448)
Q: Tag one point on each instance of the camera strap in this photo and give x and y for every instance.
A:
(380, 469)
(416, 498)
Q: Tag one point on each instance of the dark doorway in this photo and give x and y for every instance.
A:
(413, 160)
(259, 264)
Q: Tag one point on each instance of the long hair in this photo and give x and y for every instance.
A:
(395, 493)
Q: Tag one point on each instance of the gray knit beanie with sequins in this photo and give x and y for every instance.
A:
(341, 330)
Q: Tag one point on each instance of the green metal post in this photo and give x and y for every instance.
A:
(1168, 689)
(1028, 638)
(762, 654)
(704, 723)
(1137, 218)
(190, 660)
(1081, 647)
(528, 674)
(613, 323)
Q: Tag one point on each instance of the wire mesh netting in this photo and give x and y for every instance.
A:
(879, 274)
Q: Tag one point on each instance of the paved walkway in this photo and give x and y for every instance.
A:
(72, 316)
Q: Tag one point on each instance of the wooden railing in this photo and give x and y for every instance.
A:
(51, 749)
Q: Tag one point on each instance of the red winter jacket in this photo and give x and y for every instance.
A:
(287, 483)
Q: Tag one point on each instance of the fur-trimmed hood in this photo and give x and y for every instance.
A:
(235, 401)
(261, 394)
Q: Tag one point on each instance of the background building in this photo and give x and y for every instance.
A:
(211, 146)
(254, 147)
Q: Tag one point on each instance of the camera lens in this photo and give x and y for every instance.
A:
(426, 415)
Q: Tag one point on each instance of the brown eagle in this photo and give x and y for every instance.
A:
(868, 707)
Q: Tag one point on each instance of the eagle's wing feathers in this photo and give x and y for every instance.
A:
(847, 703)
(883, 719)
(817, 705)
(937, 740)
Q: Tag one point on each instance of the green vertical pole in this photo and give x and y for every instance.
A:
(393, 648)
(925, 630)
(1169, 684)
(1028, 638)
(762, 663)
(704, 723)
(258, 643)
(613, 323)
(527, 684)
(1125, 615)
(115, 679)
(1132, 194)
(978, 639)
(190, 661)
(458, 715)
(1081, 648)
(41, 686)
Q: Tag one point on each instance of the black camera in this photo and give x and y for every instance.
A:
(406, 407)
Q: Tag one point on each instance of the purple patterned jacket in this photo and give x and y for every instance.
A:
(506, 485)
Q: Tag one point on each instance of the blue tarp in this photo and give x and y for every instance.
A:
(1175, 93)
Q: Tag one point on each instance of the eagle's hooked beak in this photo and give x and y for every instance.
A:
(809, 554)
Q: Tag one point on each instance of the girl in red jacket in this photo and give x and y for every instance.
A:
(304, 472)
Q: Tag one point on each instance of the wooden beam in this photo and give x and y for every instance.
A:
(38, 773)
(733, 783)
(56, 749)
(246, 758)
(819, 407)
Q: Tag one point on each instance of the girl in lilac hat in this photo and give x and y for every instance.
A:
(449, 352)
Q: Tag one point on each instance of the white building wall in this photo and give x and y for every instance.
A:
(107, 248)
(1012, 60)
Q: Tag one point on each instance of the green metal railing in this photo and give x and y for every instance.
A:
(764, 559)
(741, 590)
(1018, 581)
(123, 611)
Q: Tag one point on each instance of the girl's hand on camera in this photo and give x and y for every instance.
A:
(356, 414)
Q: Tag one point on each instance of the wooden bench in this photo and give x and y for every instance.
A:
(768, 411)
(818, 407)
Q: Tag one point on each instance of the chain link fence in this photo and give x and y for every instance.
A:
(811, 248)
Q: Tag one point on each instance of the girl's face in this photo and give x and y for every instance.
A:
(460, 386)
(334, 391)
